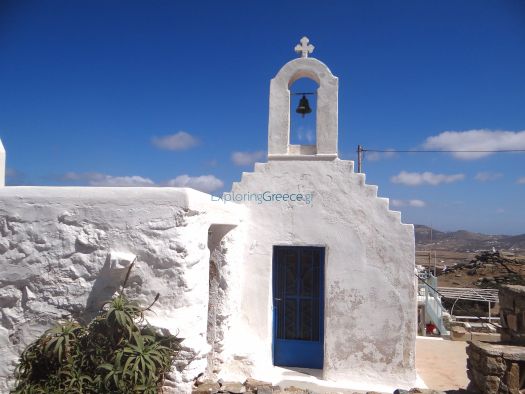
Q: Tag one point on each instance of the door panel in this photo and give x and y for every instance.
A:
(298, 302)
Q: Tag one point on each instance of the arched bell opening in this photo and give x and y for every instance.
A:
(303, 112)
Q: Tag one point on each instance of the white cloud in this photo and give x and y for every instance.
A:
(521, 180)
(408, 203)
(72, 176)
(135, 180)
(178, 141)
(485, 176)
(417, 203)
(98, 179)
(424, 178)
(374, 156)
(482, 139)
(204, 183)
(247, 158)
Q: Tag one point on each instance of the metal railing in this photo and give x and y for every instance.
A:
(433, 307)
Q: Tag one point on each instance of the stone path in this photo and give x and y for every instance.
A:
(249, 386)
(442, 364)
(259, 387)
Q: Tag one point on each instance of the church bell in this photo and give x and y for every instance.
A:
(304, 106)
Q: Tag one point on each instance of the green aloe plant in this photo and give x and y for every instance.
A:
(60, 339)
(115, 353)
(122, 316)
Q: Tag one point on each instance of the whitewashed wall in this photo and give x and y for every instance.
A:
(54, 245)
(2, 164)
(370, 298)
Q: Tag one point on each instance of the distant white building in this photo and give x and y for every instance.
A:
(306, 268)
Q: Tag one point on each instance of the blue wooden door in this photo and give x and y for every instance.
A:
(298, 306)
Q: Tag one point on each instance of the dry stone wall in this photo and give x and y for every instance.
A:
(500, 368)
(512, 314)
(494, 369)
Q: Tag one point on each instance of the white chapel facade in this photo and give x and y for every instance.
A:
(331, 282)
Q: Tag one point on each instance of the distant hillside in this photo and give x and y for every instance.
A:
(463, 241)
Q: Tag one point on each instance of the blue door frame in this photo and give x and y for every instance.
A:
(298, 306)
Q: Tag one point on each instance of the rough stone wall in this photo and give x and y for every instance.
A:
(495, 369)
(512, 314)
(370, 296)
(54, 248)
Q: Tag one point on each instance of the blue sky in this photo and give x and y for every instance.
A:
(176, 93)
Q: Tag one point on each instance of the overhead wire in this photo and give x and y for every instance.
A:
(442, 151)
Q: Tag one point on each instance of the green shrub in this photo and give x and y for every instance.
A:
(115, 353)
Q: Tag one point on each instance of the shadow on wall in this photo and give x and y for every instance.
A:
(108, 281)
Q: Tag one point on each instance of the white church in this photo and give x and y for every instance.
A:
(317, 276)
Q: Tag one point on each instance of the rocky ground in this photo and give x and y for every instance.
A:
(488, 270)
(259, 387)
(249, 386)
(484, 270)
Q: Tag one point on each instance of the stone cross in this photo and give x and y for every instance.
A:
(304, 48)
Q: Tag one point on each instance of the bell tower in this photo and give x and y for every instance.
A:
(279, 146)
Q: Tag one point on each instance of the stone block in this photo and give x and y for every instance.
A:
(474, 356)
(459, 329)
(469, 372)
(254, 384)
(494, 366)
(486, 337)
(513, 296)
(206, 388)
(424, 391)
(487, 348)
(502, 319)
(514, 353)
(476, 381)
(513, 378)
(460, 334)
(232, 387)
(477, 378)
(400, 391)
(512, 322)
(296, 390)
(492, 384)
(472, 388)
